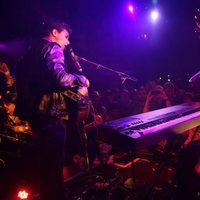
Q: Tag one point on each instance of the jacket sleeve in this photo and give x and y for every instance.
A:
(55, 63)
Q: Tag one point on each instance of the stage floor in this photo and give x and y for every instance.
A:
(105, 182)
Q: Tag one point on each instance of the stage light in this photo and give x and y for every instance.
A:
(23, 194)
(143, 36)
(130, 8)
(154, 15)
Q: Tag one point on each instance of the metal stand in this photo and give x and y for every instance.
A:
(85, 145)
(156, 178)
(167, 158)
(123, 78)
(122, 75)
(85, 137)
(132, 182)
(194, 134)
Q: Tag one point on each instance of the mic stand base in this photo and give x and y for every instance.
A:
(132, 184)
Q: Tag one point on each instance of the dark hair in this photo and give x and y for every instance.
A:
(59, 26)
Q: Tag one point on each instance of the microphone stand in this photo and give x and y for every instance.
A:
(133, 183)
(122, 75)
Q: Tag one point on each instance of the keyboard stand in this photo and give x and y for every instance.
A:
(166, 159)
(132, 182)
(194, 134)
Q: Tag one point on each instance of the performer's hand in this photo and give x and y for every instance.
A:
(83, 81)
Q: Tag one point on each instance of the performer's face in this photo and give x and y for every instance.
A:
(62, 38)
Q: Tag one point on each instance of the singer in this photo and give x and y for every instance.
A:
(41, 79)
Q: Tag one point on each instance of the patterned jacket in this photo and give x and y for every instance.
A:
(41, 79)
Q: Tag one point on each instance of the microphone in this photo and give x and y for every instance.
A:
(74, 58)
(195, 77)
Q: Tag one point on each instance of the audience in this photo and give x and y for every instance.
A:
(156, 99)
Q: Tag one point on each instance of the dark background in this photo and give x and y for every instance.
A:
(104, 32)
